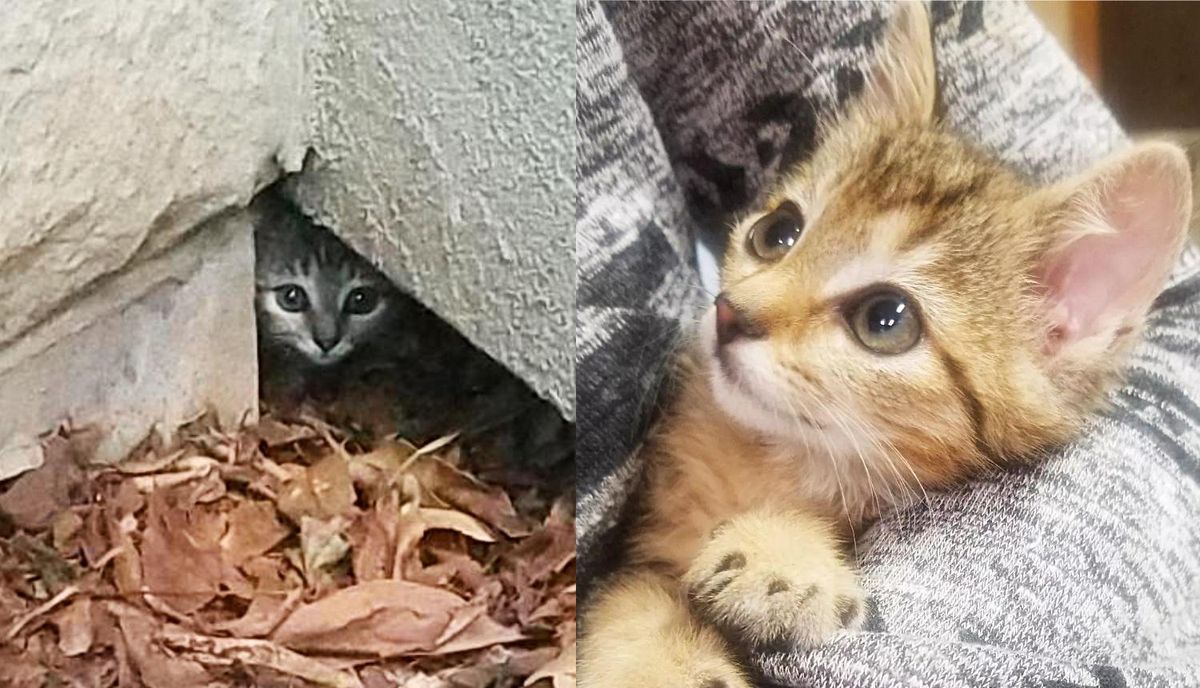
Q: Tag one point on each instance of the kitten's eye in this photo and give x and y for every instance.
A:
(292, 298)
(774, 235)
(886, 322)
(361, 300)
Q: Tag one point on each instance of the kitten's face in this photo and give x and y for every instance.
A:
(879, 297)
(315, 297)
(903, 295)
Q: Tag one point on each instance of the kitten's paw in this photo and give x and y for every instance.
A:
(775, 581)
(639, 635)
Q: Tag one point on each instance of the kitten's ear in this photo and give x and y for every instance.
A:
(902, 84)
(1120, 229)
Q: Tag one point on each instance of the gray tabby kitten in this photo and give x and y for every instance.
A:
(329, 321)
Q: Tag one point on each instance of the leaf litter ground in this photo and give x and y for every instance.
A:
(284, 554)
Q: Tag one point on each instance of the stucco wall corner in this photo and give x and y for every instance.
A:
(126, 130)
(444, 134)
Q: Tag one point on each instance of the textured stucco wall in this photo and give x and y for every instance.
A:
(151, 346)
(124, 126)
(130, 134)
(445, 140)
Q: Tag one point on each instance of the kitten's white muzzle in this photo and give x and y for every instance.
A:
(746, 385)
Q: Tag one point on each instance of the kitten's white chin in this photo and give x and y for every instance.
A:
(740, 378)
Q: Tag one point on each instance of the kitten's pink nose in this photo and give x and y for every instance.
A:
(733, 323)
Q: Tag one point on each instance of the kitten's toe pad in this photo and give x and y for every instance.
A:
(767, 583)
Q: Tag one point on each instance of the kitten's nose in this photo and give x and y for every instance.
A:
(733, 323)
(327, 342)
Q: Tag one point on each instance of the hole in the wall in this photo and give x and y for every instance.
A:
(338, 339)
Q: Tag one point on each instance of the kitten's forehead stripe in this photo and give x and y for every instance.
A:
(918, 171)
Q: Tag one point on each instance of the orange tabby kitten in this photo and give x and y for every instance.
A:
(902, 313)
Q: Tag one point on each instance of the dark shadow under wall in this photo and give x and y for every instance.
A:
(392, 367)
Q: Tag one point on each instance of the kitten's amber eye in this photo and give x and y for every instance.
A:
(361, 300)
(774, 235)
(292, 298)
(886, 322)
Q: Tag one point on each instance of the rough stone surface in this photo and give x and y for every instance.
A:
(130, 133)
(445, 134)
(123, 127)
(152, 346)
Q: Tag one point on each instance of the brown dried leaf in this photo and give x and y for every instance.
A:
(276, 433)
(381, 466)
(550, 549)
(449, 519)
(482, 631)
(266, 611)
(253, 530)
(323, 490)
(181, 554)
(458, 489)
(75, 627)
(330, 481)
(22, 670)
(261, 653)
(36, 496)
(451, 565)
(127, 565)
(155, 667)
(376, 534)
(385, 618)
(560, 671)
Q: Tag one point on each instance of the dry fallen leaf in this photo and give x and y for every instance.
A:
(37, 496)
(156, 668)
(223, 651)
(181, 555)
(322, 544)
(458, 489)
(450, 519)
(382, 618)
(323, 490)
(253, 529)
(560, 670)
(75, 627)
(231, 559)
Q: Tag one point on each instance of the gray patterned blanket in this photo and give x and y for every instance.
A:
(1083, 571)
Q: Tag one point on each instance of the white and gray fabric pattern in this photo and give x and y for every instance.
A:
(1082, 571)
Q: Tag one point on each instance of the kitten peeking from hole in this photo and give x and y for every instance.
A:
(333, 331)
(903, 312)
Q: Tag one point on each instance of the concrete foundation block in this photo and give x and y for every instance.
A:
(150, 347)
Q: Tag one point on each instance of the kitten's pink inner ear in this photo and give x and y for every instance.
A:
(1127, 221)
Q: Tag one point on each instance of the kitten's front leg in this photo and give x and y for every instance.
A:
(775, 580)
(640, 634)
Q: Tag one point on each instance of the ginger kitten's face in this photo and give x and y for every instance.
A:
(904, 294)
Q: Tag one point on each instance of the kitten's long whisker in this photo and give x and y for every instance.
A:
(833, 462)
(836, 418)
(813, 66)
(874, 439)
(891, 452)
(870, 436)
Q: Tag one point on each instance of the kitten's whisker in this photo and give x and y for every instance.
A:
(837, 477)
(874, 439)
(891, 452)
(837, 419)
